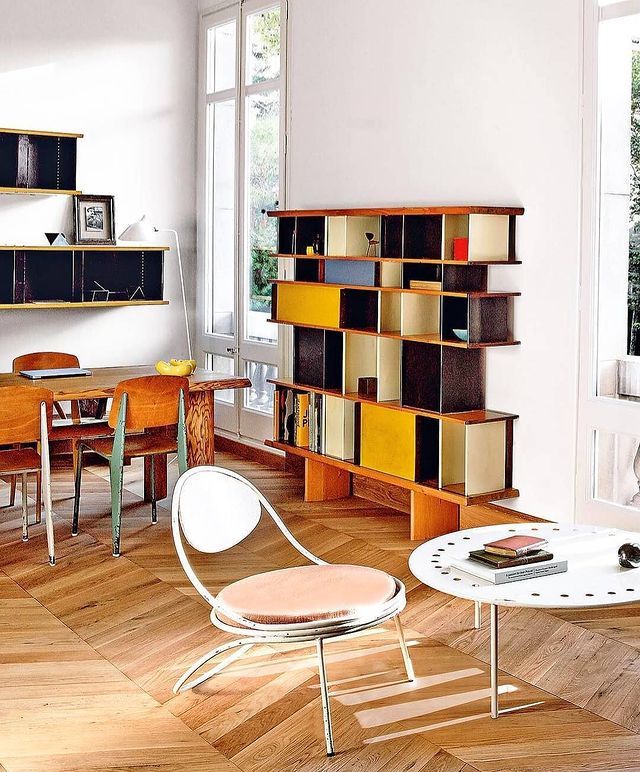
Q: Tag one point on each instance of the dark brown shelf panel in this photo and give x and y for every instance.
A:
(448, 493)
(469, 417)
(426, 260)
(407, 210)
(429, 338)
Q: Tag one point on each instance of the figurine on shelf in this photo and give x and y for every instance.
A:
(316, 244)
(372, 242)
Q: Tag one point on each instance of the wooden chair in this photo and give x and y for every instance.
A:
(148, 418)
(25, 419)
(213, 510)
(76, 428)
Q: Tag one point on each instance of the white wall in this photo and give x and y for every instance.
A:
(124, 73)
(461, 101)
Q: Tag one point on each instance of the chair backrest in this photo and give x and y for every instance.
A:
(152, 401)
(44, 360)
(215, 509)
(20, 413)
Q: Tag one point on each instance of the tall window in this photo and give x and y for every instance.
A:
(244, 59)
(609, 423)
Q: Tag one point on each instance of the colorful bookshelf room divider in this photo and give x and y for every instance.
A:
(391, 318)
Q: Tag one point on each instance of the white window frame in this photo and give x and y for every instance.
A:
(595, 413)
(238, 420)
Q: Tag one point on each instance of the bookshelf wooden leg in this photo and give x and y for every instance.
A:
(431, 516)
(323, 482)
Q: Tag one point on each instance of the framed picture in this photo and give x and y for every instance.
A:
(94, 219)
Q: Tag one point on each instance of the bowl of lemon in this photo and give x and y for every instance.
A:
(182, 367)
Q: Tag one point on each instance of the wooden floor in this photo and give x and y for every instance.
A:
(89, 651)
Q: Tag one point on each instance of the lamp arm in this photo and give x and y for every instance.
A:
(184, 296)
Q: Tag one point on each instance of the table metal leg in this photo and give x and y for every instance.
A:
(494, 661)
(477, 623)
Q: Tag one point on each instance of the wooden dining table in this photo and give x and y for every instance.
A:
(102, 383)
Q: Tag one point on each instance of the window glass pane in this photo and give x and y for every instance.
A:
(617, 472)
(221, 215)
(263, 45)
(262, 185)
(618, 336)
(260, 395)
(221, 57)
(220, 364)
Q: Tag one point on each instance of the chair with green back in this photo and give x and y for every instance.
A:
(148, 418)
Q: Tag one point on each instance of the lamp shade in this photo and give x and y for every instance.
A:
(142, 230)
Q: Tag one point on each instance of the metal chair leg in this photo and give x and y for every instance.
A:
(324, 691)
(25, 509)
(76, 497)
(242, 645)
(154, 503)
(408, 664)
(493, 657)
(115, 474)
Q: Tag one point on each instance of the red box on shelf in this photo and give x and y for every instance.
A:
(461, 249)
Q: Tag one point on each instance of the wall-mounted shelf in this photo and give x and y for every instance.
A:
(38, 162)
(389, 371)
(80, 276)
(89, 304)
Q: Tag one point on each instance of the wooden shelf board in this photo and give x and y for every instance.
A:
(85, 304)
(425, 260)
(410, 290)
(82, 248)
(468, 417)
(431, 338)
(41, 191)
(430, 490)
(39, 133)
(374, 212)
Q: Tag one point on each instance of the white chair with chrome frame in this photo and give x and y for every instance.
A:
(213, 510)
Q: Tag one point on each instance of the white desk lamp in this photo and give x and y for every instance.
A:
(143, 231)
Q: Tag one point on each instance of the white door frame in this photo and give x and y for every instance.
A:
(595, 412)
(237, 419)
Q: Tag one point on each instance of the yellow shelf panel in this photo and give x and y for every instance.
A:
(388, 441)
(307, 304)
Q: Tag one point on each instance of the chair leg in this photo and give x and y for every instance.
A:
(38, 497)
(154, 504)
(12, 492)
(324, 691)
(76, 496)
(242, 645)
(408, 664)
(25, 509)
(115, 475)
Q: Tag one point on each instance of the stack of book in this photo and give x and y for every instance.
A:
(511, 560)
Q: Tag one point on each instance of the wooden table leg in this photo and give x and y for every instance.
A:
(200, 426)
(160, 474)
(431, 516)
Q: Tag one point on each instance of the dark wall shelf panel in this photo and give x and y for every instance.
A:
(317, 358)
(38, 161)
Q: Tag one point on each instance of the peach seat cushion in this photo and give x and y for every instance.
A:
(308, 594)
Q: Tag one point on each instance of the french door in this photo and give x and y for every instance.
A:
(242, 130)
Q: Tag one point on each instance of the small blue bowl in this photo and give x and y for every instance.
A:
(462, 334)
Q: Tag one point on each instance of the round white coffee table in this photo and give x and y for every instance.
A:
(593, 578)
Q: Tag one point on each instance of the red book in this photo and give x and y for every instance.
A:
(515, 546)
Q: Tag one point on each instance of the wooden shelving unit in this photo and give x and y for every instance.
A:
(38, 162)
(389, 353)
(40, 277)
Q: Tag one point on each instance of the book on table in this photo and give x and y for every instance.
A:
(513, 574)
(515, 546)
(501, 561)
